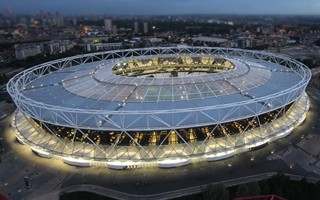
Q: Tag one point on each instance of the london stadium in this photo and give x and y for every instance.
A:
(158, 107)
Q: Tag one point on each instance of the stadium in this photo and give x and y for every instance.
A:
(157, 107)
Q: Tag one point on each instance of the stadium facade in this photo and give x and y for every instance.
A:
(164, 107)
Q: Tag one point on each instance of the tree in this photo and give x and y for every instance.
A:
(303, 184)
(308, 62)
(315, 191)
(264, 186)
(254, 188)
(242, 190)
(278, 183)
(215, 192)
(293, 191)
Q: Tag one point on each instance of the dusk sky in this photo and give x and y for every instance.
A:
(166, 7)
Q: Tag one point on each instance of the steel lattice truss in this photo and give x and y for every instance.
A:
(166, 118)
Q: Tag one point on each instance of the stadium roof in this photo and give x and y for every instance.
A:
(253, 86)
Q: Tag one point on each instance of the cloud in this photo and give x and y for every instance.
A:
(164, 6)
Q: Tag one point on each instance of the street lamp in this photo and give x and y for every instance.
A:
(6, 187)
(291, 166)
(229, 166)
(1, 149)
(252, 158)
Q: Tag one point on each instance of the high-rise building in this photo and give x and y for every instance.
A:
(145, 27)
(114, 30)
(136, 27)
(108, 25)
(24, 51)
(60, 21)
(9, 11)
(74, 21)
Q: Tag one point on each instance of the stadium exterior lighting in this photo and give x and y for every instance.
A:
(164, 107)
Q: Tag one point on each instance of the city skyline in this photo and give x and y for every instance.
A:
(150, 99)
(164, 7)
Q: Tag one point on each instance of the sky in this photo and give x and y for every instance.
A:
(163, 7)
